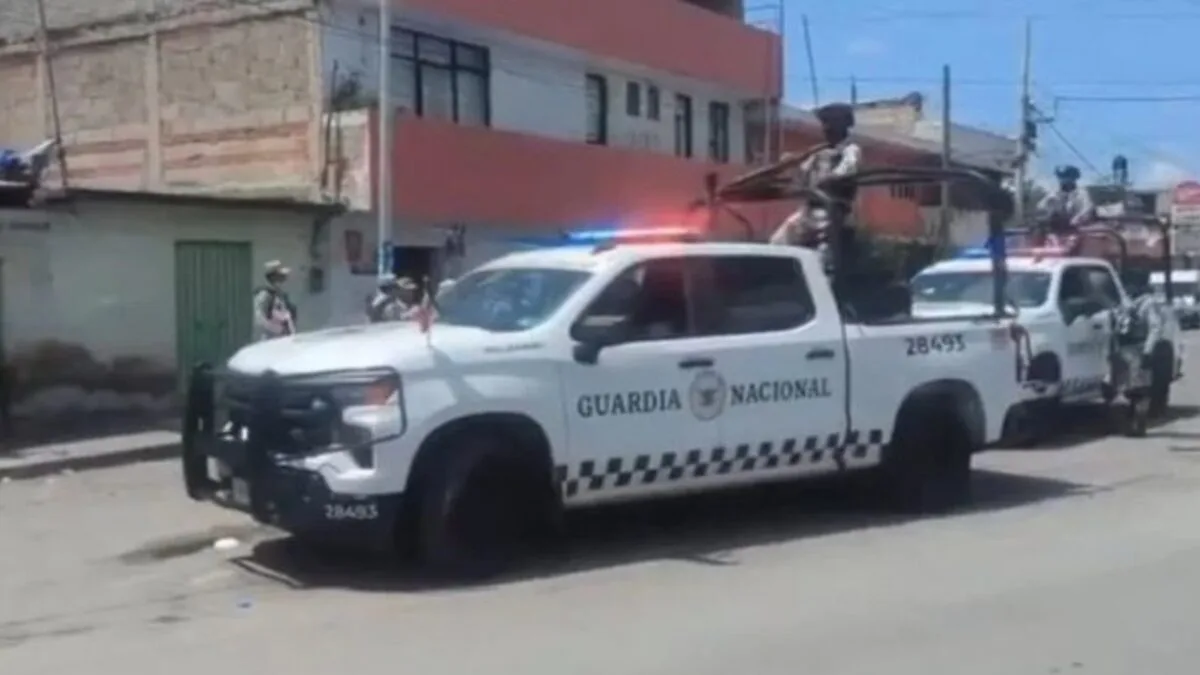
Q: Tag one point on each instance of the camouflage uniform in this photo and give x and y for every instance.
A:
(388, 303)
(274, 313)
(840, 156)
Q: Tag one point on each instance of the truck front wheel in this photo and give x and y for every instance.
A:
(476, 517)
(927, 466)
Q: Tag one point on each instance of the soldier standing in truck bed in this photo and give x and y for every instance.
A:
(837, 156)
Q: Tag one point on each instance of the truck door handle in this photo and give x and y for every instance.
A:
(820, 354)
(688, 364)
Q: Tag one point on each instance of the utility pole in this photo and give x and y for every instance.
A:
(387, 118)
(812, 62)
(943, 238)
(853, 91)
(1024, 135)
(48, 62)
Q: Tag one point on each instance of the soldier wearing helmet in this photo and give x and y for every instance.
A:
(1070, 206)
(837, 156)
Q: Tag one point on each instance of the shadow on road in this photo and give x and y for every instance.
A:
(1080, 424)
(705, 530)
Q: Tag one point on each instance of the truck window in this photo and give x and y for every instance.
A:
(1103, 285)
(737, 295)
(1073, 285)
(650, 299)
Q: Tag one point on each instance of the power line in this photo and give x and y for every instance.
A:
(1005, 82)
(1071, 146)
(1130, 99)
(953, 15)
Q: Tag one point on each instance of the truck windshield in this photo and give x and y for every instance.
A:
(507, 299)
(1025, 289)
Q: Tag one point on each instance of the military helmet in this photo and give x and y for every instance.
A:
(1067, 172)
(840, 115)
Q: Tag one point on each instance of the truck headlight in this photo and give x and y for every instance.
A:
(369, 406)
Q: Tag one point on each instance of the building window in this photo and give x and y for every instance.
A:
(653, 105)
(683, 125)
(718, 131)
(597, 109)
(439, 78)
(908, 192)
(633, 99)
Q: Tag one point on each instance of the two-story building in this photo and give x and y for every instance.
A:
(515, 117)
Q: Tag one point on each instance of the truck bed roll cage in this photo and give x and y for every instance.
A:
(1111, 228)
(774, 183)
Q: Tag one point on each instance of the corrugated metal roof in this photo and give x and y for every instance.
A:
(19, 21)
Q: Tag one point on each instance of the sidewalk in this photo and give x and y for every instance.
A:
(92, 453)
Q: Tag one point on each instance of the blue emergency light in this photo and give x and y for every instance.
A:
(598, 237)
(974, 253)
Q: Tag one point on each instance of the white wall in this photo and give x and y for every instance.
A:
(104, 277)
(540, 88)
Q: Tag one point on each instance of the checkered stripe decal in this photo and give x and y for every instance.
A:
(620, 472)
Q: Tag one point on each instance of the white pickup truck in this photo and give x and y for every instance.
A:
(1066, 304)
(566, 377)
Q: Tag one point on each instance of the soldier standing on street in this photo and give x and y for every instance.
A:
(274, 313)
(837, 156)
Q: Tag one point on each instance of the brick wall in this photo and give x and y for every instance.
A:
(221, 102)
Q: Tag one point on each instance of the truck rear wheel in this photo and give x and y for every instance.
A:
(476, 515)
(927, 468)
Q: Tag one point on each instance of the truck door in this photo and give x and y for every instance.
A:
(779, 368)
(637, 419)
(1086, 361)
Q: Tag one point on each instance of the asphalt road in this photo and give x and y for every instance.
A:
(1079, 559)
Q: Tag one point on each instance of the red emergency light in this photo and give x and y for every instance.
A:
(1041, 252)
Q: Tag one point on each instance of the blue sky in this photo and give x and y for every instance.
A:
(1114, 48)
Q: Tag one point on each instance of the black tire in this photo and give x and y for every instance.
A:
(476, 519)
(927, 468)
(1161, 377)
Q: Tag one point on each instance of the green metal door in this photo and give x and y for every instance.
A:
(213, 301)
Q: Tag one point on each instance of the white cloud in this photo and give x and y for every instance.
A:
(866, 46)
(1160, 173)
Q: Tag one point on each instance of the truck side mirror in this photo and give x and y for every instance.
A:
(593, 333)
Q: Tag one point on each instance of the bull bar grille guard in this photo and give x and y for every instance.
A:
(267, 427)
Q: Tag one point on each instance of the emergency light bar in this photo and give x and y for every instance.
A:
(613, 236)
(983, 252)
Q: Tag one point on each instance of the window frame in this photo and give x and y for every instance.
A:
(653, 102)
(464, 59)
(633, 98)
(601, 83)
(685, 126)
(719, 120)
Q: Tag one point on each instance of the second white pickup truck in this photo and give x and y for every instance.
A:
(1066, 304)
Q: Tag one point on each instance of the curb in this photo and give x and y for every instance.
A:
(36, 468)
